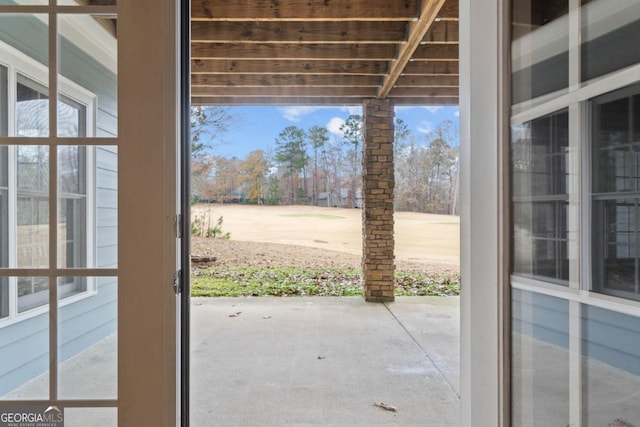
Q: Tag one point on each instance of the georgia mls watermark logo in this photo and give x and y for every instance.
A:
(31, 416)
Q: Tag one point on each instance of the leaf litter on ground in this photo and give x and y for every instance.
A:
(292, 281)
(385, 406)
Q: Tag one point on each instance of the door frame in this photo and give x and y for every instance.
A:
(149, 131)
(484, 222)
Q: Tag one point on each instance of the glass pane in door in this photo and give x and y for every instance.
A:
(74, 235)
(540, 360)
(87, 338)
(32, 206)
(539, 48)
(24, 353)
(83, 417)
(32, 108)
(87, 70)
(608, 26)
(611, 374)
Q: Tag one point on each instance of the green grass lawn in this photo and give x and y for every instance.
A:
(258, 281)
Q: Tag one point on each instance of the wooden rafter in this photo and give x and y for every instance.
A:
(449, 10)
(289, 67)
(427, 81)
(313, 52)
(417, 31)
(428, 92)
(270, 80)
(434, 68)
(443, 32)
(305, 91)
(436, 52)
(298, 10)
(299, 100)
(271, 51)
(297, 32)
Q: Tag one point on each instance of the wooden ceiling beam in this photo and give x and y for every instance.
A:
(418, 68)
(427, 81)
(437, 52)
(450, 101)
(424, 92)
(198, 100)
(209, 66)
(443, 32)
(368, 52)
(324, 52)
(333, 101)
(300, 80)
(282, 10)
(315, 92)
(450, 10)
(298, 32)
(416, 32)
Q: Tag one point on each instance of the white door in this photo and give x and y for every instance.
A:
(88, 199)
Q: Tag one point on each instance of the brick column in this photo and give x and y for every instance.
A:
(377, 211)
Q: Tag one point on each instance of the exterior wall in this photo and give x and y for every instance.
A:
(106, 207)
(546, 319)
(377, 211)
(24, 351)
(25, 344)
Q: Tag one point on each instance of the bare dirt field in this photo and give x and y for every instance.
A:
(315, 236)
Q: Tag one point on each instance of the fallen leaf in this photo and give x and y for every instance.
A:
(385, 406)
(621, 422)
(236, 314)
(321, 357)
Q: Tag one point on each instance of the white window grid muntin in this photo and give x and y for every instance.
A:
(600, 18)
(591, 195)
(615, 12)
(576, 97)
(529, 110)
(18, 63)
(580, 168)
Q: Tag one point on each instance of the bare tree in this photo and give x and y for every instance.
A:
(352, 131)
(318, 137)
(208, 125)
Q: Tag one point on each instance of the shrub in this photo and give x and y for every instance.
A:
(199, 228)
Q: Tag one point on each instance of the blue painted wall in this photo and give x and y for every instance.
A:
(607, 336)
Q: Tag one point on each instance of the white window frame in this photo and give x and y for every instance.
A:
(16, 63)
(576, 98)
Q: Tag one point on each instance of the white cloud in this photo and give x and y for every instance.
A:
(457, 113)
(405, 107)
(295, 114)
(334, 126)
(432, 109)
(424, 127)
(352, 109)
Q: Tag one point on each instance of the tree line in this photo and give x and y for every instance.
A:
(313, 166)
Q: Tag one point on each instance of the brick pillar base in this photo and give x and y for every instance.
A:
(377, 211)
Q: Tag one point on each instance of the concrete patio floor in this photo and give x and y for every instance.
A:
(324, 361)
(316, 361)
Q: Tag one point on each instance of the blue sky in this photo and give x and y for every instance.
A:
(258, 127)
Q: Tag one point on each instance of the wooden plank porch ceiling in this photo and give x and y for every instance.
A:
(324, 52)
